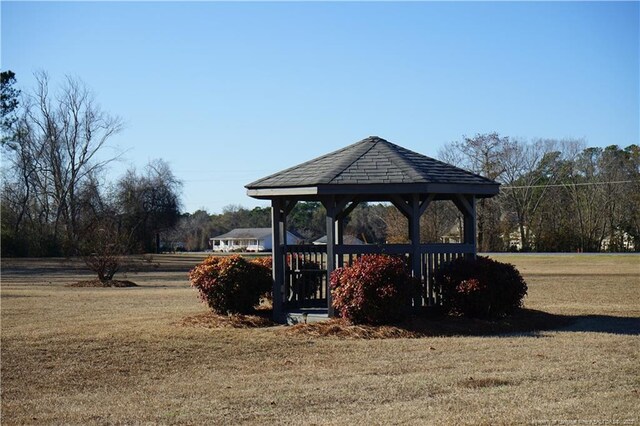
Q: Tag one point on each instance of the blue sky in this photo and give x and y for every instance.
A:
(230, 92)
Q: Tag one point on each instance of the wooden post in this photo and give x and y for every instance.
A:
(467, 206)
(414, 234)
(330, 206)
(283, 235)
(288, 278)
(278, 259)
(343, 209)
(470, 225)
(340, 238)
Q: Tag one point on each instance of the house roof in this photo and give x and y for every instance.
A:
(371, 162)
(242, 233)
(251, 233)
(348, 239)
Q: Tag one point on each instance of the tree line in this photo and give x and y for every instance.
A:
(55, 200)
(556, 195)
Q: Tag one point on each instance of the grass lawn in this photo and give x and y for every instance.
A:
(120, 355)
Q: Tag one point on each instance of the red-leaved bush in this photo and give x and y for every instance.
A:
(230, 284)
(263, 261)
(266, 263)
(375, 289)
(480, 287)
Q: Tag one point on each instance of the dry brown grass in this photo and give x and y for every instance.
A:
(121, 355)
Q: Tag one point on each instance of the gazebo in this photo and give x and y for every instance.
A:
(370, 170)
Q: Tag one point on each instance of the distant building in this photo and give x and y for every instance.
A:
(453, 235)
(349, 240)
(247, 239)
(513, 239)
(621, 241)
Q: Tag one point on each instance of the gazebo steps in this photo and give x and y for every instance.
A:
(305, 315)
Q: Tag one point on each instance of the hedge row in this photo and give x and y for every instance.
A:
(375, 289)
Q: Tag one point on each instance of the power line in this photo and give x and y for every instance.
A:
(568, 184)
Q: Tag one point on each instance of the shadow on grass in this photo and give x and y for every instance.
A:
(40, 271)
(525, 322)
(604, 324)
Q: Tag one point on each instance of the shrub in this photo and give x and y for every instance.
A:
(264, 261)
(480, 287)
(266, 264)
(104, 253)
(375, 289)
(230, 284)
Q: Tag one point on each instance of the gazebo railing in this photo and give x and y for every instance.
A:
(306, 281)
(432, 257)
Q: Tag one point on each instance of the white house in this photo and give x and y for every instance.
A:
(247, 239)
(453, 235)
(622, 241)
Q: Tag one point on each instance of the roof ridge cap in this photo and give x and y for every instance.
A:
(396, 158)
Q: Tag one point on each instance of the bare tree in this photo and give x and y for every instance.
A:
(193, 230)
(54, 152)
(529, 171)
(104, 253)
(588, 199)
(619, 176)
(148, 204)
(482, 154)
(440, 217)
(630, 211)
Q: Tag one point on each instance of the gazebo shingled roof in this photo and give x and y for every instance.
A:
(377, 163)
(370, 170)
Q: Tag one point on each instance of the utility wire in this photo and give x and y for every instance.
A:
(568, 184)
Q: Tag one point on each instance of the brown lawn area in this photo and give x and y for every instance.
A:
(119, 355)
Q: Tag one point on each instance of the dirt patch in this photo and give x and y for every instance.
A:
(98, 283)
(211, 320)
(487, 382)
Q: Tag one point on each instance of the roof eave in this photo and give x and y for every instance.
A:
(483, 190)
(267, 193)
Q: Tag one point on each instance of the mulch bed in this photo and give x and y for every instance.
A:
(523, 321)
(211, 320)
(342, 329)
(98, 283)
